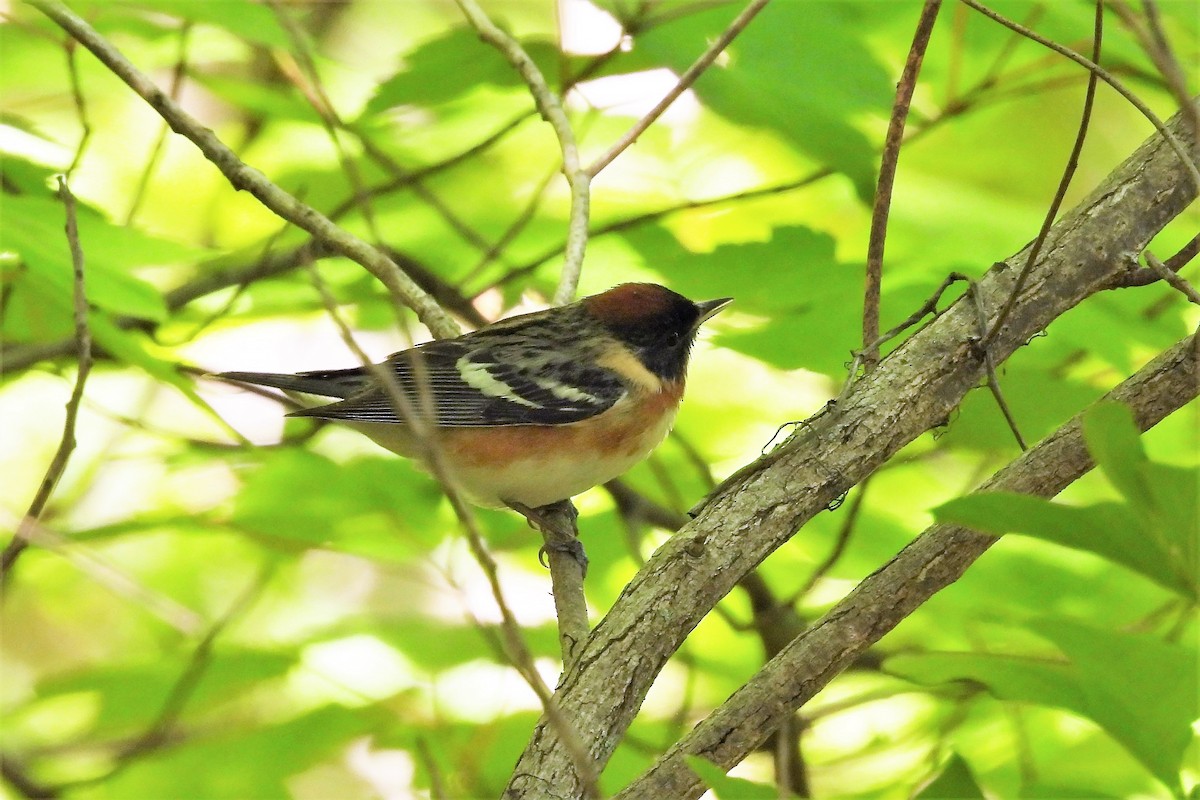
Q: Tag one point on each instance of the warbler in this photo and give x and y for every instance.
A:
(531, 410)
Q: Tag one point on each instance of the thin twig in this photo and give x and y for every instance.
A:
(80, 107)
(18, 778)
(928, 307)
(887, 178)
(1173, 141)
(990, 365)
(1154, 42)
(314, 92)
(243, 177)
(111, 577)
(568, 566)
(1173, 278)
(66, 445)
(177, 75)
(685, 81)
(1063, 183)
(1144, 277)
(617, 226)
(159, 731)
(515, 649)
(550, 107)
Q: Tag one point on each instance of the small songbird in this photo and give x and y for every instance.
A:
(531, 410)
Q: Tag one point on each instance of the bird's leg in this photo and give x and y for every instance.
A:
(557, 523)
(563, 553)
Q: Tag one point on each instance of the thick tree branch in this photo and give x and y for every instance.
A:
(937, 558)
(759, 508)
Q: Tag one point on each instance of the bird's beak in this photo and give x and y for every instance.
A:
(709, 309)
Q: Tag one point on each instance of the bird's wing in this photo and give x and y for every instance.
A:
(481, 381)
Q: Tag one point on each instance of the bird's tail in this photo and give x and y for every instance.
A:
(330, 383)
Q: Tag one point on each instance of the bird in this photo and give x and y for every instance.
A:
(529, 411)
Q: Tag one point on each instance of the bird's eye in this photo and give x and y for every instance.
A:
(674, 338)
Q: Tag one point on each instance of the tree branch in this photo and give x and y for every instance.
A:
(937, 558)
(66, 446)
(760, 507)
(887, 178)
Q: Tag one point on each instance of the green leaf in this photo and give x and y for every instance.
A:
(795, 270)
(377, 507)
(727, 788)
(259, 99)
(33, 228)
(233, 763)
(132, 695)
(1110, 530)
(1025, 680)
(954, 782)
(1145, 692)
(1141, 690)
(800, 69)
(253, 22)
(1115, 442)
(448, 66)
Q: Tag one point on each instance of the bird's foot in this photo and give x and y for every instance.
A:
(557, 523)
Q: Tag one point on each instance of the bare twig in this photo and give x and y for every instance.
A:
(111, 577)
(177, 75)
(159, 731)
(312, 88)
(928, 307)
(1173, 278)
(83, 343)
(19, 779)
(243, 177)
(1144, 277)
(887, 178)
(80, 107)
(685, 81)
(551, 109)
(990, 365)
(514, 647)
(1061, 192)
(839, 546)
(1154, 42)
(1173, 142)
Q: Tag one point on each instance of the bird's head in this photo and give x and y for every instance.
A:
(657, 324)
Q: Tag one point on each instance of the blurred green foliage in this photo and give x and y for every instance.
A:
(302, 618)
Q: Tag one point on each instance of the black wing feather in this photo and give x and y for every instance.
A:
(508, 381)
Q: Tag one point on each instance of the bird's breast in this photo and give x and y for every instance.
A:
(536, 465)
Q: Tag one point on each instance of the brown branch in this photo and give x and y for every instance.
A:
(1177, 283)
(20, 780)
(887, 178)
(243, 177)
(761, 507)
(937, 558)
(1144, 277)
(83, 344)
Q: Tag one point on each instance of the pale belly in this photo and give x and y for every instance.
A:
(532, 465)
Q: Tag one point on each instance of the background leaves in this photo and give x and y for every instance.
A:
(366, 656)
